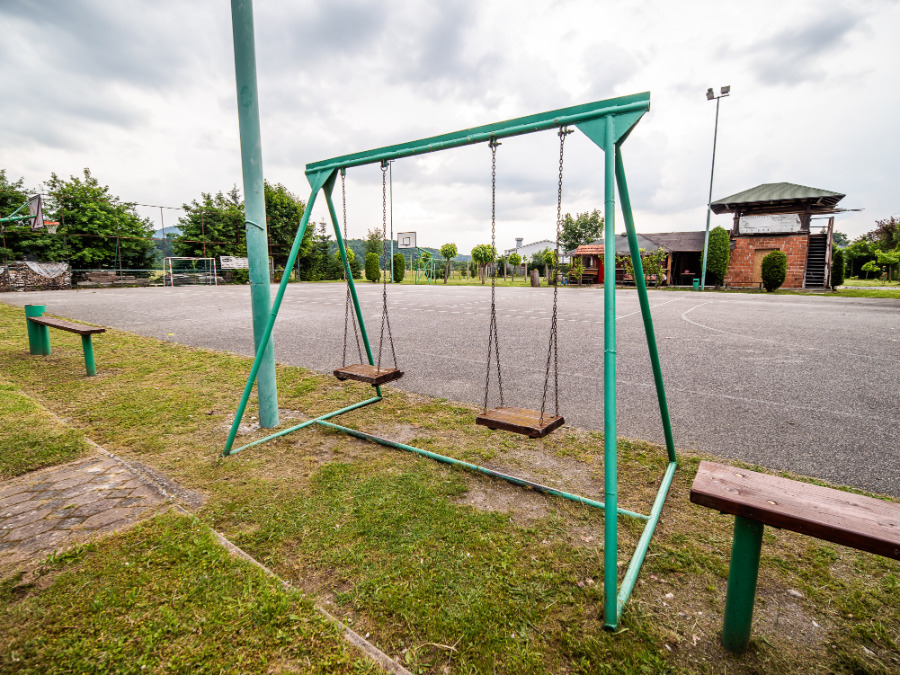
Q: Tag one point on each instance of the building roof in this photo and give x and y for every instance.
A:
(596, 247)
(778, 198)
(678, 241)
(547, 243)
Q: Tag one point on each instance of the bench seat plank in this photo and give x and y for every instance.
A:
(79, 328)
(844, 518)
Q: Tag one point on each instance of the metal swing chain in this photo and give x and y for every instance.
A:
(553, 346)
(493, 337)
(385, 319)
(344, 272)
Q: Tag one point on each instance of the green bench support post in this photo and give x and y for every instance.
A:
(88, 348)
(38, 336)
(745, 550)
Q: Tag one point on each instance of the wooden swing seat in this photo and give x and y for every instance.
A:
(363, 372)
(520, 421)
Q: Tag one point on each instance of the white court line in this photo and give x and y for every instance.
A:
(766, 340)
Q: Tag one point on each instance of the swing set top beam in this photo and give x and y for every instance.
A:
(634, 105)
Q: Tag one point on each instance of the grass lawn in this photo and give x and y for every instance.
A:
(164, 597)
(446, 571)
(31, 437)
(868, 283)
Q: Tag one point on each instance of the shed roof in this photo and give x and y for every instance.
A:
(778, 198)
(596, 247)
(678, 241)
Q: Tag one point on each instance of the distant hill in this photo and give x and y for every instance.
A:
(171, 230)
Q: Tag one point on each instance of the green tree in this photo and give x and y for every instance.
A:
(577, 269)
(373, 269)
(448, 251)
(718, 254)
(840, 239)
(399, 267)
(374, 242)
(774, 270)
(352, 260)
(837, 268)
(887, 260)
(871, 267)
(283, 213)
(483, 255)
(213, 226)
(515, 260)
(582, 229)
(98, 229)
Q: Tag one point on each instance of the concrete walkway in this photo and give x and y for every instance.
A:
(55, 508)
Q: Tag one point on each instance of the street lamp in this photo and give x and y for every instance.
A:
(710, 95)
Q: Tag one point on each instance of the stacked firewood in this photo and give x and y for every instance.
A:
(20, 276)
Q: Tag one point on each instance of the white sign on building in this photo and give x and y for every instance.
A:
(228, 262)
(772, 224)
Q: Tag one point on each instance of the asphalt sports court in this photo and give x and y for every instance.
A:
(798, 383)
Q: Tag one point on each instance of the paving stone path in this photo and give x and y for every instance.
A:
(55, 508)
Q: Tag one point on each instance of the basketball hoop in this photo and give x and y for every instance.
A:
(51, 227)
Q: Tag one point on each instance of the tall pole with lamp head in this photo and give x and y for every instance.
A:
(710, 95)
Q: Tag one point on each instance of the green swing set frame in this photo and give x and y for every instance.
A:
(608, 124)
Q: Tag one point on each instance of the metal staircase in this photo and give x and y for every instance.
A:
(816, 262)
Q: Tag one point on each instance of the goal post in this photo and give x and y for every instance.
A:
(188, 271)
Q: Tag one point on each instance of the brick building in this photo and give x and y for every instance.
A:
(797, 219)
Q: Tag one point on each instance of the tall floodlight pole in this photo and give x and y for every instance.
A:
(709, 97)
(254, 203)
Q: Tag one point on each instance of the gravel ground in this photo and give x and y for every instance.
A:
(800, 383)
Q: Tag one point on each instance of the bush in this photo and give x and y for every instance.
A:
(240, 277)
(372, 267)
(717, 255)
(399, 267)
(837, 268)
(774, 270)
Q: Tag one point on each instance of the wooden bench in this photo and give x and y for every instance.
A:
(756, 499)
(39, 335)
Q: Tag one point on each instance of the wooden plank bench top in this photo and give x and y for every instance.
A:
(861, 522)
(79, 328)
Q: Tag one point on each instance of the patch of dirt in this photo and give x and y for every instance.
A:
(786, 621)
(523, 506)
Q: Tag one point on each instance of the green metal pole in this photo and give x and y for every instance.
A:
(88, 348)
(643, 545)
(645, 303)
(254, 203)
(302, 425)
(35, 342)
(742, 575)
(261, 349)
(610, 482)
(712, 172)
(475, 467)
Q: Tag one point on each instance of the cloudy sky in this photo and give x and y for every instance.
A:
(143, 93)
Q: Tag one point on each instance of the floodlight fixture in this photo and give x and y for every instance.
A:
(709, 94)
(726, 90)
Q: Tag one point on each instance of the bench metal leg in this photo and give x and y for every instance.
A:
(88, 355)
(742, 575)
(38, 336)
